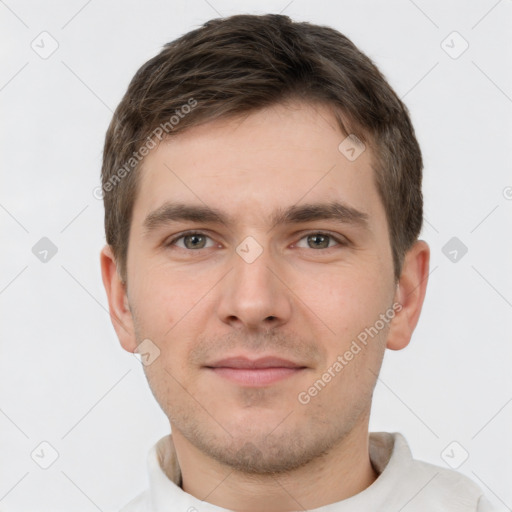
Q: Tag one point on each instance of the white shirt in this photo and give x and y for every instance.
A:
(403, 484)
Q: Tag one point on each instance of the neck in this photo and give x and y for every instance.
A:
(344, 471)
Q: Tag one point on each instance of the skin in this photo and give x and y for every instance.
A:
(241, 447)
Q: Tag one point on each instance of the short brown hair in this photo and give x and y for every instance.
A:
(243, 63)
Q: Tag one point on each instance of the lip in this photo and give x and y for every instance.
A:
(240, 362)
(255, 372)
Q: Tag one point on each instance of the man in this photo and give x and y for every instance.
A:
(262, 191)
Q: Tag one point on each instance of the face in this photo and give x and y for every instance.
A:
(259, 314)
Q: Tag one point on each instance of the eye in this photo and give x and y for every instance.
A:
(191, 240)
(195, 240)
(319, 240)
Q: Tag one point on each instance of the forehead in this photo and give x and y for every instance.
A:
(256, 164)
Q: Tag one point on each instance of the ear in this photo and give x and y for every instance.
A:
(410, 293)
(120, 313)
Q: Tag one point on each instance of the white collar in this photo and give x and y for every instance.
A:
(389, 454)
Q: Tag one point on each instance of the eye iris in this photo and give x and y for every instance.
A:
(324, 238)
(191, 241)
(193, 245)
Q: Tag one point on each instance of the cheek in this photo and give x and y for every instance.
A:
(351, 306)
(345, 296)
(161, 298)
(165, 310)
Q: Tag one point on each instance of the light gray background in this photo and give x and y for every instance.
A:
(65, 379)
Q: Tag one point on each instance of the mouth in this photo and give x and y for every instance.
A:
(255, 372)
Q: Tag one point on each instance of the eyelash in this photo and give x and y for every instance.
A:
(341, 242)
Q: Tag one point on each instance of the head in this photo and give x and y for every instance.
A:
(286, 152)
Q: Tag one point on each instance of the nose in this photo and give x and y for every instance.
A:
(254, 294)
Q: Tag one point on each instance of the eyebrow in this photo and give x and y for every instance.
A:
(334, 210)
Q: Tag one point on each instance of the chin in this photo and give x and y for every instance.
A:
(267, 454)
(258, 447)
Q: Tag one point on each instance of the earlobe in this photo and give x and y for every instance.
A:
(120, 313)
(410, 294)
